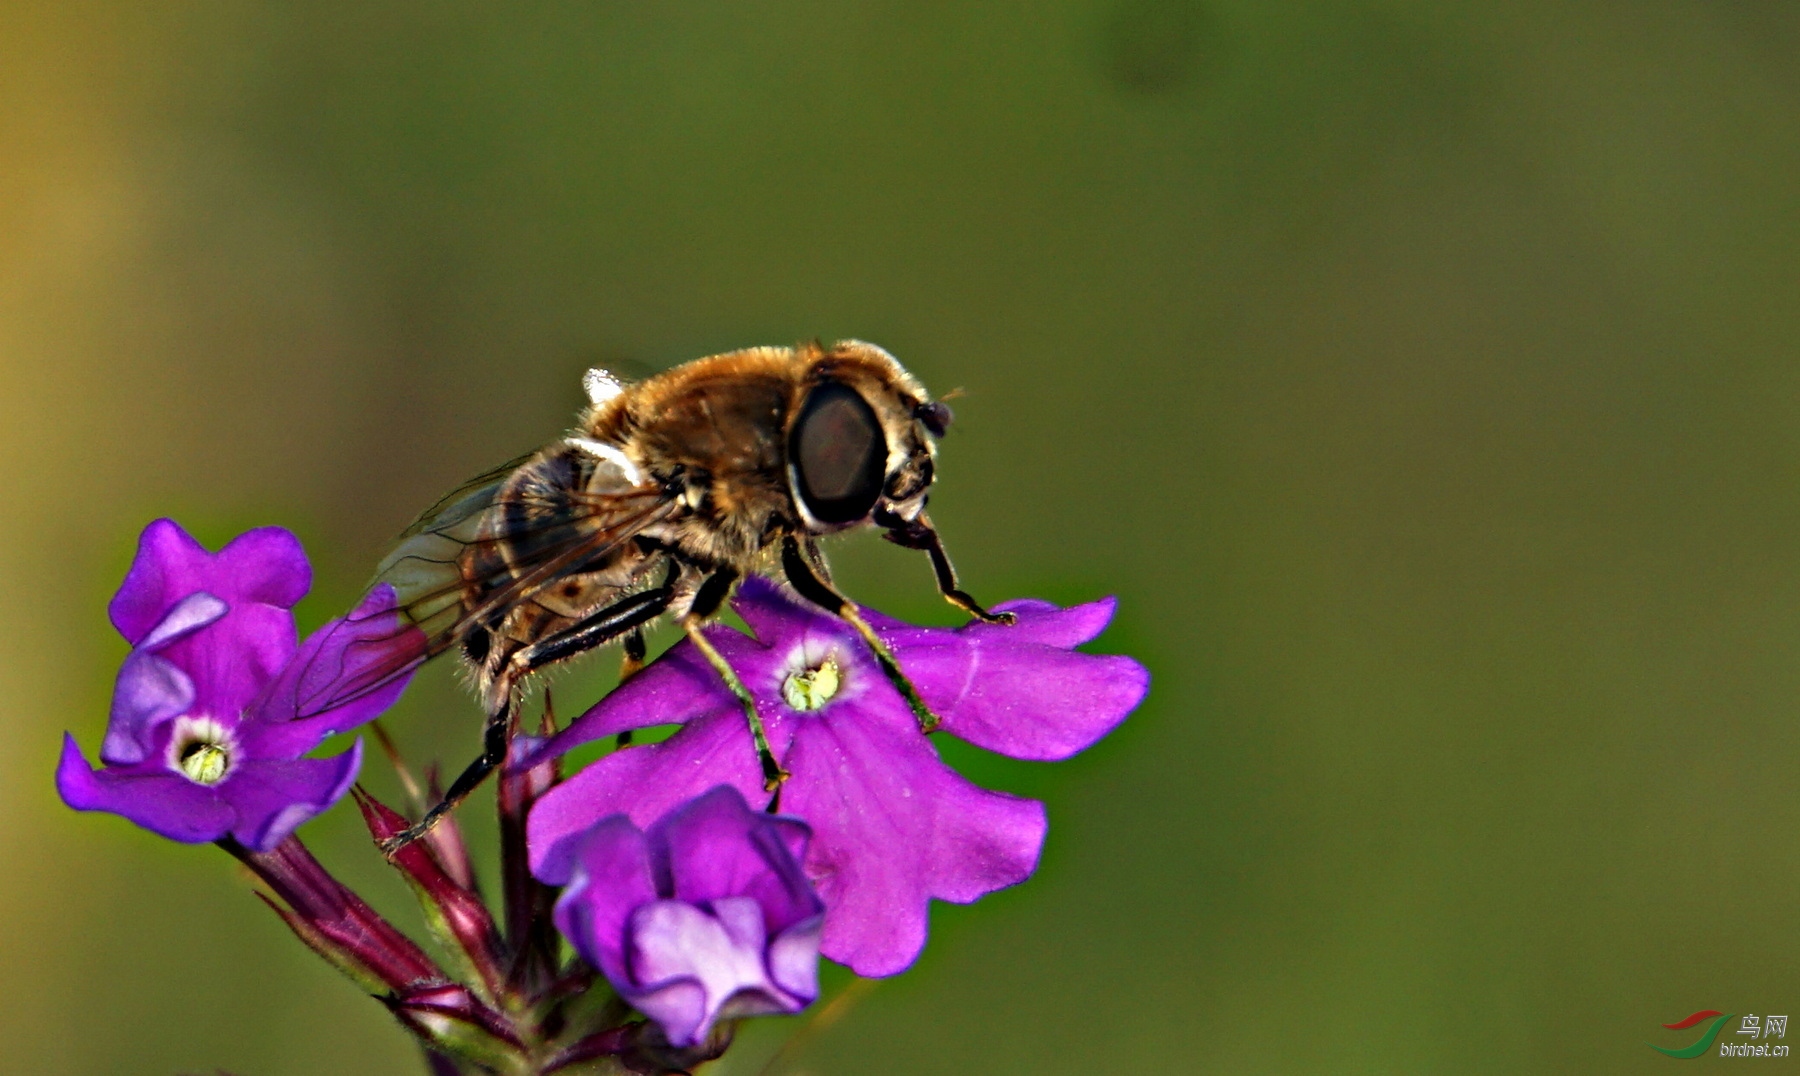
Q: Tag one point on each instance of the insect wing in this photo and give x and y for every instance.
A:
(463, 567)
(471, 498)
(348, 671)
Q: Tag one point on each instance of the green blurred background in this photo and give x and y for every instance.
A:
(1422, 379)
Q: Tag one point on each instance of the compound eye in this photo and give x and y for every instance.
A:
(839, 454)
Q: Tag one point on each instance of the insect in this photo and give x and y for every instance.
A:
(666, 493)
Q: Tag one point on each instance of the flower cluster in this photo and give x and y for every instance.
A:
(690, 895)
(705, 914)
(200, 745)
(893, 825)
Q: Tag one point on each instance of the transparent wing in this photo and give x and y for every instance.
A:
(470, 498)
(469, 563)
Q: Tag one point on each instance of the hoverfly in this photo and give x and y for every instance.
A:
(667, 492)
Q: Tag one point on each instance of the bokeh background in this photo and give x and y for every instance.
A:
(1422, 378)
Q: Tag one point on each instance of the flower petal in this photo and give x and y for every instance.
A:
(892, 827)
(673, 942)
(715, 846)
(262, 566)
(369, 647)
(184, 618)
(175, 588)
(774, 614)
(148, 794)
(1018, 689)
(794, 958)
(149, 691)
(605, 876)
(169, 566)
(1039, 702)
(676, 688)
(643, 782)
(679, 1006)
(270, 797)
(1041, 622)
(233, 659)
(266, 565)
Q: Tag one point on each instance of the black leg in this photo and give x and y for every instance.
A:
(918, 534)
(635, 651)
(493, 753)
(625, 615)
(822, 594)
(712, 593)
(815, 558)
(628, 614)
(810, 586)
(630, 666)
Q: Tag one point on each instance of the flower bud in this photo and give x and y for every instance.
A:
(455, 914)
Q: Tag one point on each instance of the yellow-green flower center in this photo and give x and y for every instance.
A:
(204, 763)
(811, 689)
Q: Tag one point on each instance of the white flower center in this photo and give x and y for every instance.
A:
(811, 688)
(201, 749)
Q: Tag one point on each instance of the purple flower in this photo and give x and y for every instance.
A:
(204, 740)
(893, 826)
(705, 915)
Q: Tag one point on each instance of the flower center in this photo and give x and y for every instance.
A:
(202, 750)
(810, 689)
(204, 763)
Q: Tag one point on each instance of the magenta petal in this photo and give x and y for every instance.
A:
(344, 675)
(148, 794)
(774, 614)
(263, 566)
(232, 660)
(892, 827)
(149, 692)
(1042, 703)
(169, 566)
(676, 688)
(1039, 622)
(266, 565)
(1043, 623)
(643, 783)
(222, 620)
(717, 846)
(607, 876)
(270, 797)
(1018, 689)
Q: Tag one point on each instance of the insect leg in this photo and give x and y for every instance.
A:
(706, 602)
(493, 753)
(824, 595)
(919, 534)
(627, 614)
(634, 655)
(629, 667)
(816, 559)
